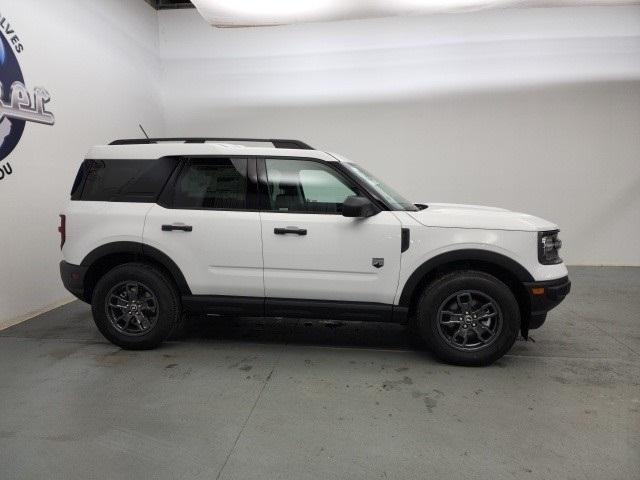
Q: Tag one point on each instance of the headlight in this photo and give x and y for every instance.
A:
(548, 246)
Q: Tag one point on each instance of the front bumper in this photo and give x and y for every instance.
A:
(543, 296)
(73, 278)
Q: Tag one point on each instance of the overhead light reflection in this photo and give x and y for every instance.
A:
(243, 13)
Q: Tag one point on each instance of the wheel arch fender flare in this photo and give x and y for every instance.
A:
(139, 251)
(460, 256)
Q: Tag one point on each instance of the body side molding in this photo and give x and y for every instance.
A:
(225, 305)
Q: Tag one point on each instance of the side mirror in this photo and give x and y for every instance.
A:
(358, 207)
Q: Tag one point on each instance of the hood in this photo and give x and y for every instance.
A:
(478, 216)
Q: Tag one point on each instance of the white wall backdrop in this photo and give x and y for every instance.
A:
(97, 59)
(534, 110)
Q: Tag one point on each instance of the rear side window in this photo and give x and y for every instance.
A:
(219, 183)
(122, 180)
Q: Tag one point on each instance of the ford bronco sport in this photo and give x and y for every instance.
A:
(160, 228)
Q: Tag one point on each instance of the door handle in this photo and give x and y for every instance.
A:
(184, 228)
(292, 230)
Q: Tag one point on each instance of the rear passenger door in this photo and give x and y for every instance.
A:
(207, 223)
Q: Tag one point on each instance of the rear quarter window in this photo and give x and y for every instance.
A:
(122, 180)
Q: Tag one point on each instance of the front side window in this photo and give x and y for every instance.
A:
(305, 186)
(216, 184)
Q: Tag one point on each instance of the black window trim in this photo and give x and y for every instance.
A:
(257, 199)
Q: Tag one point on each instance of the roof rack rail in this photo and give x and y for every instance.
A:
(277, 142)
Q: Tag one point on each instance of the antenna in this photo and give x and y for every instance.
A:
(145, 133)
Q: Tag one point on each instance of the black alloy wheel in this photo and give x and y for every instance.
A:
(132, 308)
(468, 317)
(469, 320)
(136, 306)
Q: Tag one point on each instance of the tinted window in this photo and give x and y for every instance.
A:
(305, 186)
(76, 190)
(124, 180)
(215, 183)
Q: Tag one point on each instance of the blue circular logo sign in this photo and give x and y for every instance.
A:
(10, 128)
(18, 104)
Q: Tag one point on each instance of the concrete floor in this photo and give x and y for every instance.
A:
(305, 400)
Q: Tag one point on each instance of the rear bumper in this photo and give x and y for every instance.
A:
(73, 278)
(543, 296)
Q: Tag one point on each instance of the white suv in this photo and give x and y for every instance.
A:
(160, 228)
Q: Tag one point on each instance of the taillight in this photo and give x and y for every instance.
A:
(63, 229)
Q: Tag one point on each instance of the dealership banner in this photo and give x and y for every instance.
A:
(18, 104)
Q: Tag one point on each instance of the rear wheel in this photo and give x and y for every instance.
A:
(468, 318)
(135, 306)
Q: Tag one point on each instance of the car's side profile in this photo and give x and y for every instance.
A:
(156, 229)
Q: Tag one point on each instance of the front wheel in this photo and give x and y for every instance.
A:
(468, 318)
(135, 306)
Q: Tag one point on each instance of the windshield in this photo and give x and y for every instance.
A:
(393, 198)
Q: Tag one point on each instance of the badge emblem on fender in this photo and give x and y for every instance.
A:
(377, 262)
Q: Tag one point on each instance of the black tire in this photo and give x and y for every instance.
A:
(441, 306)
(163, 293)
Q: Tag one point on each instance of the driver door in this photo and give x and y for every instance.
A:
(310, 250)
